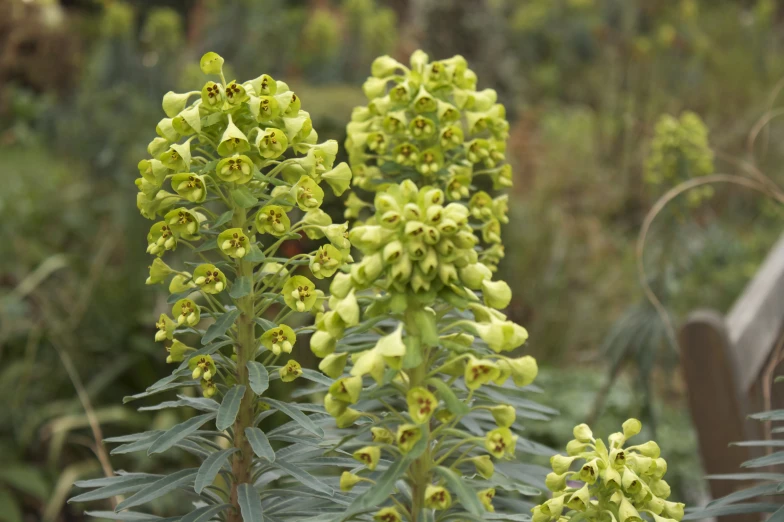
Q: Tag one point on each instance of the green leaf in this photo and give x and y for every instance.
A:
(745, 494)
(176, 374)
(9, 509)
(179, 432)
(240, 287)
(465, 494)
(204, 514)
(128, 516)
(230, 407)
(138, 445)
(453, 404)
(170, 386)
(768, 460)
(747, 476)
(250, 503)
(261, 446)
(25, 479)
(220, 326)
(210, 467)
(297, 416)
(255, 255)
(258, 376)
(223, 219)
(121, 488)
(243, 198)
(158, 488)
(109, 481)
(304, 477)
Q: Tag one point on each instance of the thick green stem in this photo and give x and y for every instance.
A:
(242, 462)
(420, 469)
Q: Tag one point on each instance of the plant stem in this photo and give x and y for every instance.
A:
(420, 469)
(246, 347)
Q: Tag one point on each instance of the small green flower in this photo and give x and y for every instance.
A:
(212, 96)
(208, 388)
(307, 193)
(202, 367)
(486, 498)
(388, 514)
(272, 219)
(264, 85)
(484, 466)
(236, 95)
(209, 279)
(188, 121)
(421, 404)
(348, 480)
(184, 223)
(496, 294)
(237, 169)
(504, 415)
(299, 293)
(346, 389)
(382, 435)
(407, 437)
(190, 186)
(369, 456)
(333, 406)
(322, 344)
(177, 352)
(174, 103)
(159, 271)
(369, 362)
(290, 371)
(280, 339)
(422, 128)
(333, 364)
(233, 141)
(479, 372)
(234, 243)
(326, 261)
(177, 157)
(500, 442)
(186, 311)
(160, 239)
(272, 143)
(181, 283)
(347, 418)
(165, 327)
(437, 497)
(339, 178)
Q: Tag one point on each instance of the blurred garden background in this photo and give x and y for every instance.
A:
(598, 93)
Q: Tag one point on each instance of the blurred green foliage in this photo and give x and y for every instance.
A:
(585, 81)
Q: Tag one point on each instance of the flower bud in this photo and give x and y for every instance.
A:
(374, 87)
(631, 428)
(474, 275)
(338, 178)
(347, 418)
(348, 480)
(369, 362)
(347, 389)
(627, 512)
(174, 103)
(555, 482)
(583, 433)
(334, 406)
(333, 364)
(484, 466)
(649, 449)
(385, 66)
(369, 456)
(580, 499)
(181, 283)
(504, 415)
(524, 370)
(159, 271)
(177, 352)
(382, 435)
(497, 294)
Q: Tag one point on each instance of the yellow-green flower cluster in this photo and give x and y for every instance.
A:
(680, 151)
(236, 166)
(610, 482)
(428, 123)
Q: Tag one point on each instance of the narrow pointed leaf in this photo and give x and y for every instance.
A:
(129, 486)
(220, 326)
(465, 494)
(230, 407)
(179, 432)
(158, 488)
(204, 514)
(304, 477)
(297, 416)
(210, 467)
(260, 444)
(453, 404)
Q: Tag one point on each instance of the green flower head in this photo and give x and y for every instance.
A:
(437, 497)
(184, 223)
(280, 339)
(369, 456)
(160, 239)
(407, 437)
(290, 371)
(272, 143)
(202, 367)
(272, 219)
(233, 141)
(209, 279)
(234, 243)
(237, 169)
(299, 293)
(186, 312)
(190, 187)
(421, 404)
(325, 261)
(308, 195)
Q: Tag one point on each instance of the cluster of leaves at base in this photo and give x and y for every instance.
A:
(613, 483)
(245, 172)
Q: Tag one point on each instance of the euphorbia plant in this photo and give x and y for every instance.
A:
(246, 174)
(612, 483)
(428, 396)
